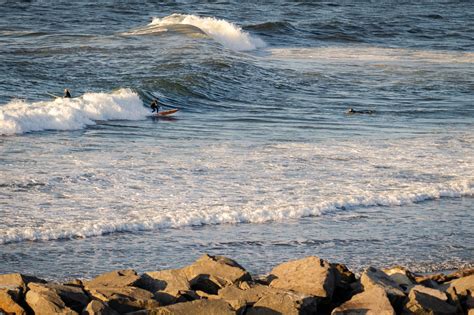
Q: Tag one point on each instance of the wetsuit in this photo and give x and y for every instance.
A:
(154, 106)
(67, 94)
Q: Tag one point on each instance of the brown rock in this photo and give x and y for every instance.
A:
(460, 288)
(43, 300)
(373, 301)
(168, 285)
(245, 295)
(218, 270)
(125, 299)
(18, 280)
(9, 301)
(117, 278)
(373, 277)
(422, 303)
(310, 275)
(171, 280)
(442, 278)
(280, 302)
(239, 297)
(433, 292)
(72, 296)
(198, 307)
(96, 307)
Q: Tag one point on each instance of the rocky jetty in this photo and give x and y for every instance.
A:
(219, 285)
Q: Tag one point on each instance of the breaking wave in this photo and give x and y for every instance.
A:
(18, 116)
(227, 215)
(222, 31)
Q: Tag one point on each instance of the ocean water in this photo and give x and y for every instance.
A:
(261, 163)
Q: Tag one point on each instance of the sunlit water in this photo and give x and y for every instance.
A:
(262, 163)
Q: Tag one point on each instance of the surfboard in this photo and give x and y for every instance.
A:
(53, 95)
(167, 112)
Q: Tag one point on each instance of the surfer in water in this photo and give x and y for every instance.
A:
(365, 111)
(154, 106)
(67, 94)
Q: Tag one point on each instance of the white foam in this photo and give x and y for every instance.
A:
(225, 214)
(224, 32)
(141, 187)
(19, 116)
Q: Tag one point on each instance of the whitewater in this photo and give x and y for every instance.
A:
(262, 162)
(20, 116)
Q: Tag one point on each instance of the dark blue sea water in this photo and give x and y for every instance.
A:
(262, 163)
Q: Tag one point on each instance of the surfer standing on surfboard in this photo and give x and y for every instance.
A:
(154, 106)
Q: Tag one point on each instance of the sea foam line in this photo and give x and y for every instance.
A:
(225, 215)
(19, 116)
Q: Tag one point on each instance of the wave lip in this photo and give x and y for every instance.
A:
(18, 116)
(227, 215)
(222, 31)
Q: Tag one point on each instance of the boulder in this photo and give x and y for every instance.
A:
(460, 288)
(124, 299)
(198, 307)
(442, 278)
(117, 278)
(169, 286)
(345, 281)
(244, 295)
(430, 291)
(96, 307)
(18, 280)
(402, 276)
(281, 302)
(422, 303)
(43, 300)
(239, 296)
(373, 301)
(72, 296)
(10, 301)
(373, 277)
(210, 273)
(310, 275)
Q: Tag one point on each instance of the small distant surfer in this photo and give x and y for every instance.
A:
(155, 106)
(67, 94)
(365, 111)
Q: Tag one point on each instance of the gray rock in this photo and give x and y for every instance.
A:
(310, 275)
(373, 301)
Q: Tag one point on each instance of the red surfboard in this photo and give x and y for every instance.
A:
(167, 112)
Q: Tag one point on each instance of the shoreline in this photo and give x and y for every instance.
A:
(219, 285)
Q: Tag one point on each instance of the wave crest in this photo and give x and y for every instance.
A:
(222, 31)
(19, 117)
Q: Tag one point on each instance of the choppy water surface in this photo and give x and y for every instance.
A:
(262, 163)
